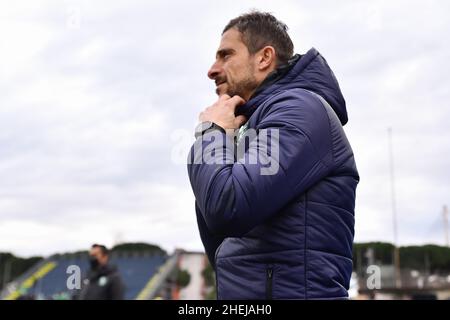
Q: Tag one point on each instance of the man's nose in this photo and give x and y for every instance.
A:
(214, 71)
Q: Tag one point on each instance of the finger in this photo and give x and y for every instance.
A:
(224, 97)
(240, 120)
(236, 101)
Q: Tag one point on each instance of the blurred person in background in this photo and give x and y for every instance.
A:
(103, 281)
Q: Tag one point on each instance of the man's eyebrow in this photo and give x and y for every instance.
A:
(223, 52)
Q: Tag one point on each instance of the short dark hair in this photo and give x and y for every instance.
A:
(103, 249)
(260, 29)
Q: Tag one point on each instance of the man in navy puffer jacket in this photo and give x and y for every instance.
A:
(272, 171)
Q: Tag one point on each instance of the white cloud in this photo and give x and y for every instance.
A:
(71, 217)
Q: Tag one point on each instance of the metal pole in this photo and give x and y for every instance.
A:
(445, 214)
(1, 282)
(398, 282)
(359, 268)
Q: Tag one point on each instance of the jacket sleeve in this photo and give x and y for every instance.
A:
(117, 289)
(210, 241)
(288, 153)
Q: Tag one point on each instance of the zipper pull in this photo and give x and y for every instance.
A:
(269, 284)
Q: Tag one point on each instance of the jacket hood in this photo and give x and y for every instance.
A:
(310, 72)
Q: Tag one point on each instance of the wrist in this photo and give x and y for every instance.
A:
(207, 126)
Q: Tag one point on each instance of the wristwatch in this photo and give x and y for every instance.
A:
(207, 126)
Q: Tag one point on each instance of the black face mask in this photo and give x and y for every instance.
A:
(93, 262)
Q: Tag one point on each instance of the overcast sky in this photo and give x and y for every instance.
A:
(98, 101)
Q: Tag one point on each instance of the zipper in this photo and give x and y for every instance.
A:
(217, 284)
(269, 278)
(216, 271)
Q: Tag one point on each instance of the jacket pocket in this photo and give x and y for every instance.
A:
(269, 283)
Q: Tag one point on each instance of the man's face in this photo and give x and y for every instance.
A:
(233, 70)
(96, 253)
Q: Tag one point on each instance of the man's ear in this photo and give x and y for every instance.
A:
(266, 58)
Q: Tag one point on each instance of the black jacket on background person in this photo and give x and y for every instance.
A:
(104, 283)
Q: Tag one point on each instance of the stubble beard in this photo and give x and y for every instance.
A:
(244, 87)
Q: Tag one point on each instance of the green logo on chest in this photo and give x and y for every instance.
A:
(242, 131)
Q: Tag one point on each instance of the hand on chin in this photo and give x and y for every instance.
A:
(221, 89)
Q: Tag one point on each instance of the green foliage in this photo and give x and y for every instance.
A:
(12, 267)
(383, 252)
(210, 282)
(208, 276)
(211, 295)
(428, 257)
(123, 248)
(139, 247)
(183, 278)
